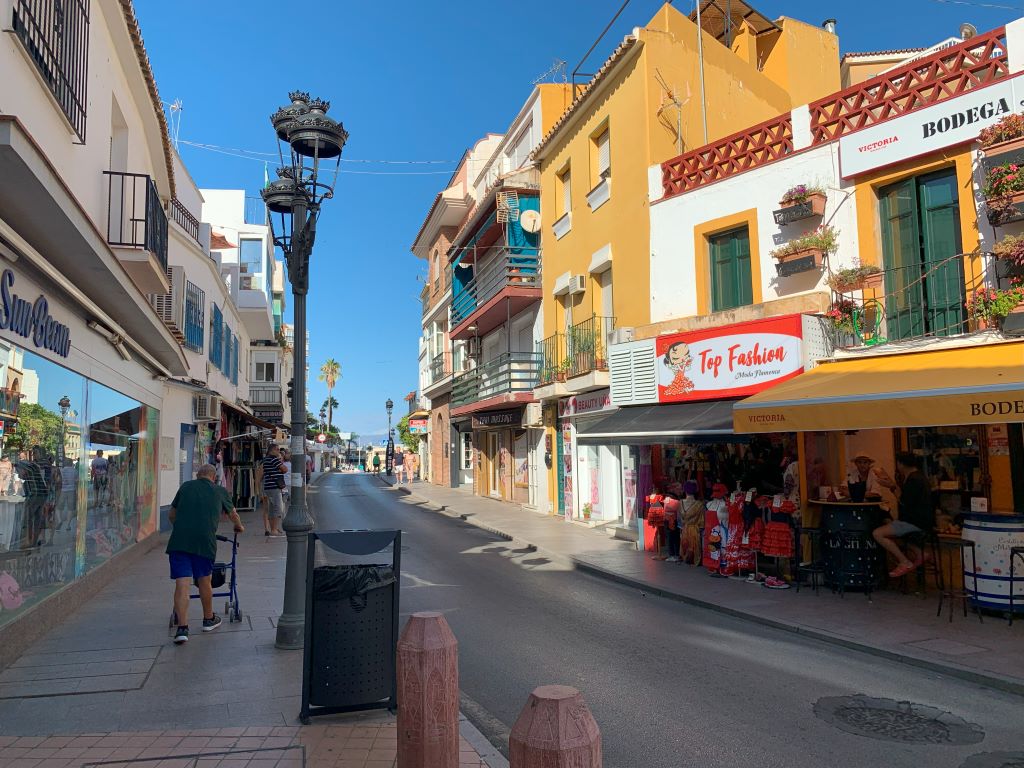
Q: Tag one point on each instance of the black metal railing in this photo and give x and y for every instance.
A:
(911, 302)
(509, 373)
(55, 35)
(183, 217)
(554, 362)
(135, 217)
(440, 366)
(255, 210)
(493, 272)
(265, 395)
(586, 345)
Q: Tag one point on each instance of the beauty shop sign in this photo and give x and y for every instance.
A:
(732, 361)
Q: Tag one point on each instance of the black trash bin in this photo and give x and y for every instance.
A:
(351, 625)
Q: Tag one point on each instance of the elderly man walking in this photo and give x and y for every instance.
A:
(192, 548)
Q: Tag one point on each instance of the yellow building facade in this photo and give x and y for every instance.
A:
(660, 93)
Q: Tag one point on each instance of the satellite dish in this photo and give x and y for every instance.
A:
(530, 221)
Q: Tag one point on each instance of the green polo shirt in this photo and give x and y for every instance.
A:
(198, 505)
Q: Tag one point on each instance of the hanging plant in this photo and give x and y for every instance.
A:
(992, 305)
(1008, 129)
(855, 278)
(821, 241)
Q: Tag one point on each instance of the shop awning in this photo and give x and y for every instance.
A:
(652, 424)
(974, 385)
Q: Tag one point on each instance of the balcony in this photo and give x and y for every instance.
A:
(507, 379)
(477, 298)
(265, 394)
(439, 371)
(137, 229)
(910, 303)
(181, 216)
(576, 361)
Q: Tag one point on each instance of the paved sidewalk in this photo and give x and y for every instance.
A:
(107, 685)
(893, 625)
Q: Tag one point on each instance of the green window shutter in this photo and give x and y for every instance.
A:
(939, 202)
(731, 281)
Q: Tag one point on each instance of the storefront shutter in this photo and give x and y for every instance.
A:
(633, 373)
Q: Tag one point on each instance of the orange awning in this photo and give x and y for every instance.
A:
(972, 385)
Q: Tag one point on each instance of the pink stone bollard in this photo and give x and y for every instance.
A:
(555, 730)
(428, 693)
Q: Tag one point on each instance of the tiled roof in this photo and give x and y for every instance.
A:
(866, 54)
(128, 9)
(219, 242)
(627, 43)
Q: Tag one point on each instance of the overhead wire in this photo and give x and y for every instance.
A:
(257, 153)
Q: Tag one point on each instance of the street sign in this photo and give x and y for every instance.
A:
(321, 438)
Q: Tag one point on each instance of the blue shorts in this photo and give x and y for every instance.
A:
(900, 528)
(188, 566)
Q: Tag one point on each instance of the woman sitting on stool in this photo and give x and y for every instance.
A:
(916, 514)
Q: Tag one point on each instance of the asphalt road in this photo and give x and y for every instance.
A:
(669, 684)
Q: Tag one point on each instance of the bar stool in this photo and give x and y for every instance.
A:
(1015, 552)
(816, 566)
(856, 562)
(942, 549)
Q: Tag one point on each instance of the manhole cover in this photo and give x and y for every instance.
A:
(891, 720)
(995, 760)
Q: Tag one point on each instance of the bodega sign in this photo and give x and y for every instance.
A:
(956, 121)
(733, 361)
(31, 320)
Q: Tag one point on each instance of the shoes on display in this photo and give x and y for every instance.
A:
(775, 583)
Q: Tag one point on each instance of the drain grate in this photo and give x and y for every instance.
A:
(891, 720)
(995, 760)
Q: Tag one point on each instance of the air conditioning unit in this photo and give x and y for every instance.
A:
(170, 307)
(533, 415)
(620, 336)
(577, 284)
(473, 347)
(205, 408)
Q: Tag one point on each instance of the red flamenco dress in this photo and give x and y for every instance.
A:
(746, 532)
(778, 534)
(681, 383)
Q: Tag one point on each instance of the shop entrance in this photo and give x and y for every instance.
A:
(494, 464)
(924, 280)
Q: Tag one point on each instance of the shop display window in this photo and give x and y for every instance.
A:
(952, 460)
(77, 477)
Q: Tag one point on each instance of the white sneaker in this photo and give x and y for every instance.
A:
(672, 559)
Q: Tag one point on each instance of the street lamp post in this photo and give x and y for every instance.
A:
(65, 406)
(389, 452)
(314, 143)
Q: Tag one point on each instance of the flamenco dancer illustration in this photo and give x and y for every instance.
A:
(678, 359)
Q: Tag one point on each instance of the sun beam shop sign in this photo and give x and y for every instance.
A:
(31, 319)
(732, 361)
(954, 121)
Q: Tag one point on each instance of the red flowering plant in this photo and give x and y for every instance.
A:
(1010, 251)
(1007, 129)
(843, 315)
(993, 305)
(1003, 180)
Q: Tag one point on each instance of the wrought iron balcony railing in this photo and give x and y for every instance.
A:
(180, 215)
(510, 373)
(135, 217)
(554, 363)
(440, 366)
(491, 276)
(911, 302)
(586, 345)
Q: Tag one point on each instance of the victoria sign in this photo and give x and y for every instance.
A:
(733, 361)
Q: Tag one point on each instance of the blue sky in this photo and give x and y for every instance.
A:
(414, 81)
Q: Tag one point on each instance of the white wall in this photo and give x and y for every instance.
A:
(673, 283)
(113, 75)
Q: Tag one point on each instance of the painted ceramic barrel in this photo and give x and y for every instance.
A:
(993, 535)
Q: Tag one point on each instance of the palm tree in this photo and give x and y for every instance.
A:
(330, 372)
(330, 404)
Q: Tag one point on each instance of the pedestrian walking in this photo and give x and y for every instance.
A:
(273, 486)
(195, 513)
(399, 467)
(376, 463)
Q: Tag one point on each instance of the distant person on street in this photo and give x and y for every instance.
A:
(412, 466)
(192, 548)
(98, 467)
(399, 467)
(916, 514)
(376, 463)
(273, 486)
(309, 467)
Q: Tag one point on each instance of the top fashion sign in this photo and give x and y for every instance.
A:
(733, 361)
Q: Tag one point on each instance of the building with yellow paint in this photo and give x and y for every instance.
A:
(664, 90)
(772, 361)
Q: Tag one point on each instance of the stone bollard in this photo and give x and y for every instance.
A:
(428, 694)
(555, 730)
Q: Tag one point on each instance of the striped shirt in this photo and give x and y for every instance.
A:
(273, 472)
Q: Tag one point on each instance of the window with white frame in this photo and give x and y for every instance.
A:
(265, 371)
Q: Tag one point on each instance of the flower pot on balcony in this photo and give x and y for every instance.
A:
(1003, 210)
(601, 364)
(817, 201)
(560, 377)
(799, 261)
(1003, 148)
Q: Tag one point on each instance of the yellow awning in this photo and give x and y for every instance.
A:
(973, 385)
